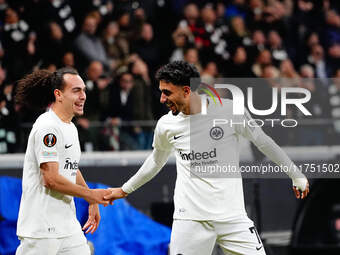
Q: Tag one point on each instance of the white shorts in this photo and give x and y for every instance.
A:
(235, 236)
(72, 245)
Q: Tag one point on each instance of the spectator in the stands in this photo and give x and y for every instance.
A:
(3, 7)
(4, 114)
(273, 16)
(318, 106)
(96, 107)
(191, 56)
(18, 41)
(142, 98)
(59, 11)
(276, 47)
(117, 47)
(193, 21)
(307, 13)
(191, 16)
(332, 38)
(257, 45)
(98, 90)
(264, 58)
(287, 70)
(147, 48)
(289, 76)
(307, 71)
(255, 15)
(307, 17)
(209, 73)
(208, 16)
(334, 101)
(220, 12)
(9, 126)
(259, 40)
(93, 74)
(311, 39)
(122, 109)
(55, 41)
(332, 30)
(138, 19)
(68, 59)
(239, 67)
(318, 61)
(270, 72)
(215, 36)
(334, 56)
(239, 33)
(181, 40)
(124, 22)
(89, 46)
(83, 7)
(50, 67)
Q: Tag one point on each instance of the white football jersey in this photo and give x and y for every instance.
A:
(199, 146)
(45, 213)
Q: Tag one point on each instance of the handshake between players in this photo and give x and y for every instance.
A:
(300, 188)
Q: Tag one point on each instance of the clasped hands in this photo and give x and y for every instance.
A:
(105, 196)
(114, 193)
(99, 196)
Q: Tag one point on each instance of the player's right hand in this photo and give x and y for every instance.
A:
(97, 196)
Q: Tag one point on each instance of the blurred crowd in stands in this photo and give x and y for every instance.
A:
(118, 45)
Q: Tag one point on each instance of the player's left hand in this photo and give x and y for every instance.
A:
(301, 187)
(93, 221)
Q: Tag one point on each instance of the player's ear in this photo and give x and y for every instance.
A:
(57, 94)
(186, 90)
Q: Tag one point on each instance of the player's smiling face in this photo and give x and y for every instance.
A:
(174, 97)
(73, 95)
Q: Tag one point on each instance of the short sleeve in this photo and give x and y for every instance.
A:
(160, 140)
(246, 126)
(47, 140)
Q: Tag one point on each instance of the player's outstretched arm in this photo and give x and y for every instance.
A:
(269, 148)
(53, 180)
(150, 168)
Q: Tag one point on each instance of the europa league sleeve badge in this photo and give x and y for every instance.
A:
(50, 140)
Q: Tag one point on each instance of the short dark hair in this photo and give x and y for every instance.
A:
(178, 73)
(36, 90)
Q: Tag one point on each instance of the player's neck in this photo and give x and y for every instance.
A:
(61, 113)
(194, 105)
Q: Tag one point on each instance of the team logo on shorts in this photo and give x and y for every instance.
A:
(216, 133)
(50, 140)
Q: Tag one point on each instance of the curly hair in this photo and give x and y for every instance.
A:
(36, 90)
(178, 73)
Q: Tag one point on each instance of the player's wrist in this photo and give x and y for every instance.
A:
(123, 193)
(89, 195)
(300, 183)
(126, 189)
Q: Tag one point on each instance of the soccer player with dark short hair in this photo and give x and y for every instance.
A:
(207, 210)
